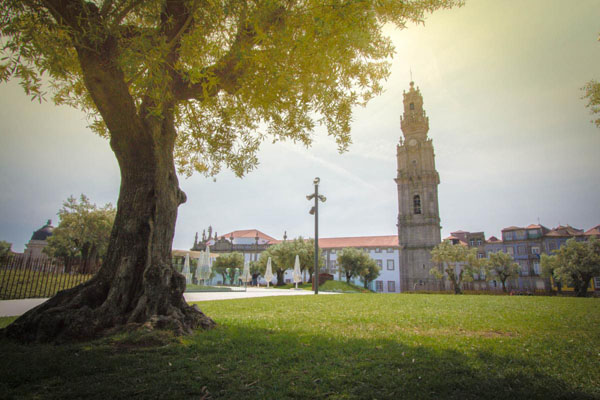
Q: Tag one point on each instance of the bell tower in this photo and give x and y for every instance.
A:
(418, 211)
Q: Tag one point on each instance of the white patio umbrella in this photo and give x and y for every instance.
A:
(269, 272)
(246, 276)
(297, 276)
(186, 269)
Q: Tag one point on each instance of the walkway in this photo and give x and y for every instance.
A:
(18, 307)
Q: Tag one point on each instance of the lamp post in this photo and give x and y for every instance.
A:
(315, 211)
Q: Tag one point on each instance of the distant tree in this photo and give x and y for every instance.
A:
(458, 263)
(305, 249)
(353, 262)
(282, 258)
(501, 266)
(592, 94)
(369, 272)
(550, 265)
(83, 232)
(226, 263)
(575, 264)
(5, 249)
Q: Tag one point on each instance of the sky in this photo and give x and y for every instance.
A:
(501, 83)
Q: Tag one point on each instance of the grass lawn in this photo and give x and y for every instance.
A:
(328, 286)
(349, 346)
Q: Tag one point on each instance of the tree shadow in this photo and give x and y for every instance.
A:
(236, 361)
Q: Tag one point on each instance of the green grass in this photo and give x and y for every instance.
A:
(20, 284)
(336, 347)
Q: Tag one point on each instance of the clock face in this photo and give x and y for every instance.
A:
(412, 142)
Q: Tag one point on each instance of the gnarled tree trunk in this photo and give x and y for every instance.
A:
(137, 285)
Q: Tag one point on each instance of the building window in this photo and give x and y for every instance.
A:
(379, 263)
(332, 251)
(379, 286)
(535, 250)
(508, 236)
(378, 250)
(552, 246)
(536, 267)
(524, 268)
(478, 242)
(510, 250)
(390, 265)
(417, 204)
(471, 242)
(411, 106)
(391, 286)
(480, 255)
(521, 250)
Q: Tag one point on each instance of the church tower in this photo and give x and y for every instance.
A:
(418, 211)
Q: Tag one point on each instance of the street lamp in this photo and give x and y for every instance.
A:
(315, 211)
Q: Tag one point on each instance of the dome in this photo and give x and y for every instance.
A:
(44, 232)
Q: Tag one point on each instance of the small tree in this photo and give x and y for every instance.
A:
(549, 264)
(458, 263)
(305, 249)
(501, 266)
(576, 263)
(352, 262)
(369, 272)
(225, 264)
(5, 250)
(83, 232)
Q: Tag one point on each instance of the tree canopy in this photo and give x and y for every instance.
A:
(227, 263)
(501, 266)
(83, 232)
(183, 86)
(458, 263)
(283, 256)
(353, 262)
(575, 264)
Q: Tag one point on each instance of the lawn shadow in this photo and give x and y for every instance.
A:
(236, 361)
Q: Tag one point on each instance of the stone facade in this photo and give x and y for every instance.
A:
(417, 182)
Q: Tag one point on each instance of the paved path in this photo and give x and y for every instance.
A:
(18, 307)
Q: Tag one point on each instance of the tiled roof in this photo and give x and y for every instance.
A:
(452, 233)
(249, 233)
(595, 231)
(511, 228)
(494, 239)
(534, 226)
(360, 241)
(565, 231)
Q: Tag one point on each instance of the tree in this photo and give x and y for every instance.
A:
(501, 266)
(369, 272)
(305, 249)
(83, 232)
(458, 263)
(226, 263)
(353, 262)
(197, 83)
(575, 264)
(592, 94)
(282, 258)
(5, 250)
(550, 265)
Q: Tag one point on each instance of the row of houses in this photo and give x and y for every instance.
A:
(525, 244)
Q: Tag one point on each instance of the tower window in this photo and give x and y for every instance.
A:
(417, 204)
(412, 106)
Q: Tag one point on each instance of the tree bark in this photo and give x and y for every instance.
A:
(137, 285)
(279, 274)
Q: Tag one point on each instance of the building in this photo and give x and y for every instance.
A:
(383, 249)
(38, 241)
(249, 242)
(417, 181)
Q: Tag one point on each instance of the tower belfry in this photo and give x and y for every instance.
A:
(417, 181)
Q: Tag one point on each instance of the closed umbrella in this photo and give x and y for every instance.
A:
(246, 276)
(269, 272)
(186, 269)
(297, 274)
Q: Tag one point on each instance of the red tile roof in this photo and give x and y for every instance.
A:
(595, 231)
(249, 233)
(360, 241)
(565, 231)
(494, 239)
